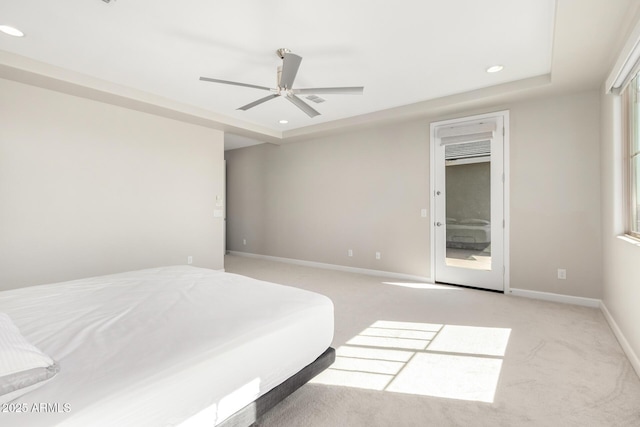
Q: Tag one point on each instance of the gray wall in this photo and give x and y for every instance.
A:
(363, 190)
(621, 293)
(555, 195)
(315, 200)
(88, 188)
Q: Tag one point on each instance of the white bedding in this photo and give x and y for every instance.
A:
(158, 346)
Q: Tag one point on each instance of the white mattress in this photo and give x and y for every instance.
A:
(158, 346)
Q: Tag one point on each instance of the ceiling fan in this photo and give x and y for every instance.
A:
(286, 76)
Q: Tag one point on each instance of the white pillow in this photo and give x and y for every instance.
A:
(22, 366)
(475, 221)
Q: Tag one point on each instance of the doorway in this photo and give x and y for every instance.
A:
(468, 209)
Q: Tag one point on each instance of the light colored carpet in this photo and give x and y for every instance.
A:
(445, 356)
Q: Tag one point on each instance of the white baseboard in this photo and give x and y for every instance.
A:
(378, 273)
(626, 347)
(548, 296)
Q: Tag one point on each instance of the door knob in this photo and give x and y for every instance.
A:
(438, 223)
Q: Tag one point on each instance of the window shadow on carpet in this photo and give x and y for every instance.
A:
(448, 361)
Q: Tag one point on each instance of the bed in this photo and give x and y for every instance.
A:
(474, 234)
(167, 346)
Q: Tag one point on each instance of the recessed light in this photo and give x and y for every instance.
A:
(495, 69)
(11, 31)
(283, 122)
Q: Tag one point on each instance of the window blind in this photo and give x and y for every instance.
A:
(467, 150)
(466, 141)
(466, 133)
(627, 65)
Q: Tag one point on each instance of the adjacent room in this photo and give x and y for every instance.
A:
(302, 213)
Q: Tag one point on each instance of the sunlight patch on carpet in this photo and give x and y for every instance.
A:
(429, 286)
(471, 340)
(449, 376)
(388, 342)
(447, 361)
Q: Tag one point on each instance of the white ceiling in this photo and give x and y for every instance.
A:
(404, 53)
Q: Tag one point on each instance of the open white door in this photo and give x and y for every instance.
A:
(468, 199)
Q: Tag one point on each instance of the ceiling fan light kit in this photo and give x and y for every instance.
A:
(286, 75)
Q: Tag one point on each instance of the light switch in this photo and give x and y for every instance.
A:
(217, 213)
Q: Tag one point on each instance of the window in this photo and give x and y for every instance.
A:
(632, 156)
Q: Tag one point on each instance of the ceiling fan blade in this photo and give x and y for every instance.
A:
(302, 105)
(258, 102)
(227, 82)
(290, 64)
(355, 90)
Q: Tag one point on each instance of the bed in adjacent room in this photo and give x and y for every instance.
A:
(166, 346)
(473, 234)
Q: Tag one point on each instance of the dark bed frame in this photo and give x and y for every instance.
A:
(251, 413)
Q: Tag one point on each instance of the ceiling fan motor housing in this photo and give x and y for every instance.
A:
(282, 52)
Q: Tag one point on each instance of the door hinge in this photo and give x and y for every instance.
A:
(503, 223)
(503, 131)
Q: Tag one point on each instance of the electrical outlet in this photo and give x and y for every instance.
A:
(350, 252)
(377, 255)
(562, 274)
(423, 213)
(244, 242)
(189, 259)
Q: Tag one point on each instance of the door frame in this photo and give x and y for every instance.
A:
(506, 204)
